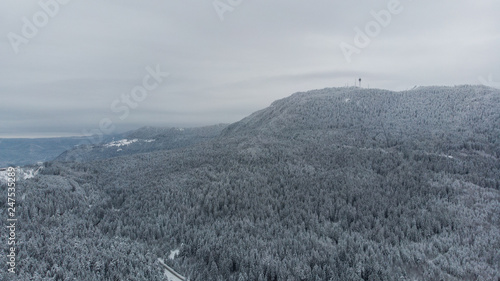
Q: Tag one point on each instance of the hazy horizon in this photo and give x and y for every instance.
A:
(72, 68)
(49, 135)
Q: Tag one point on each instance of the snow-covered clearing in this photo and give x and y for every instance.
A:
(120, 143)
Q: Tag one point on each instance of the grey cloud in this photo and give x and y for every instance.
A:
(91, 52)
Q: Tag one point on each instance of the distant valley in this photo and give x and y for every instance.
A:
(25, 151)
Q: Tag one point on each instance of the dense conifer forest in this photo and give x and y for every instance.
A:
(331, 184)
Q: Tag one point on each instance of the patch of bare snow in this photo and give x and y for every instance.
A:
(3, 176)
(27, 174)
(120, 143)
(173, 254)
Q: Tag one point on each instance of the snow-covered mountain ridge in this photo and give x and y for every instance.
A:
(332, 184)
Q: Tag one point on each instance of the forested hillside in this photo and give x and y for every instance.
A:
(146, 139)
(332, 184)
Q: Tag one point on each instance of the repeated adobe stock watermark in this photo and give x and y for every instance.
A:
(127, 101)
(31, 26)
(372, 29)
(223, 6)
(489, 81)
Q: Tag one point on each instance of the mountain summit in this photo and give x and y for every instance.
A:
(442, 117)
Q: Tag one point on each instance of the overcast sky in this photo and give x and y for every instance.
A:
(66, 68)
